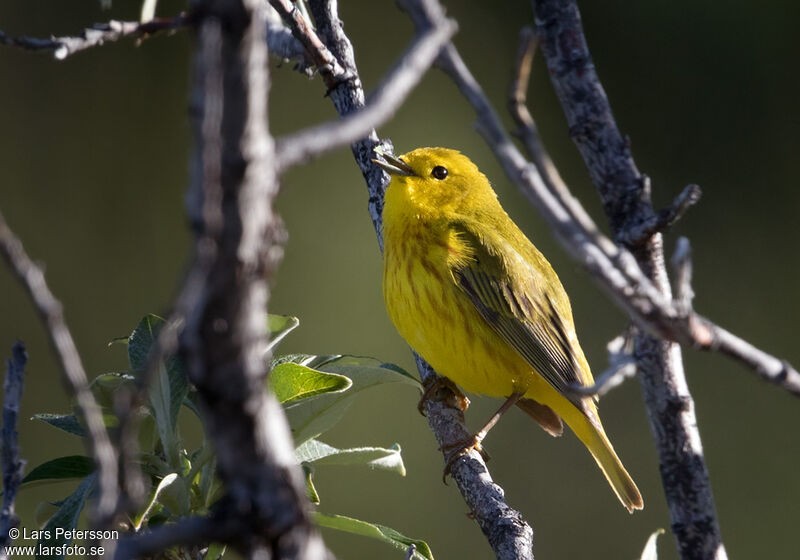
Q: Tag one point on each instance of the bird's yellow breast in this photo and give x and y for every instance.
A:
(435, 317)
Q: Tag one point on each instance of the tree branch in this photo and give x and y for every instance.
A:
(380, 107)
(238, 238)
(50, 312)
(348, 96)
(13, 465)
(666, 217)
(186, 532)
(98, 34)
(627, 204)
(279, 39)
(622, 366)
(328, 67)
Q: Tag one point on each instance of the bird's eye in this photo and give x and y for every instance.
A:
(439, 172)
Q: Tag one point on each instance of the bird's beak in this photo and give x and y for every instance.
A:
(394, 166)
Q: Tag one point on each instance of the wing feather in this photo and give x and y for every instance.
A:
(511, 296)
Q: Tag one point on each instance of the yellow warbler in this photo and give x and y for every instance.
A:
(474, 297)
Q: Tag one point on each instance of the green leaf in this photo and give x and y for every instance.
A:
(118, 340)
(309, 418)
(140, 343)
(380, 532)
(279, 326)
(649, 552)
(319, 453)
(65, 518)
(168, 388)
(66, 422)
(291, 382)
(141, 340)
(309, 360)
(165, 482)
(311, 490)
(379, 372)
(160, 396)
(177, 497)
(72, 466)
(105, 387)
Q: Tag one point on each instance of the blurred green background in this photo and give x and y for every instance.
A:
(93, 154)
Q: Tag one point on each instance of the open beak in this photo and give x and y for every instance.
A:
(394, 166)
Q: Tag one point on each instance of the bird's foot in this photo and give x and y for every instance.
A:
(442, 389)
(454, 451)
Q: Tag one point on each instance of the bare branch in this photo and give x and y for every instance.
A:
(622, 366)
(682, 263)
(664, 219)
(238, 240)
(187, 531)
(509, 535)
(526, 126)
(711, 337)
(380, 107)
(327, 65)
(13, 465)
(279, 39)
(778, 372)
(98, 34)
(529, 134)
(63, 345)
(626, 200)
(347, 97)
(281, 43)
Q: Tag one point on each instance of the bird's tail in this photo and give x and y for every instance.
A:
(594, 438)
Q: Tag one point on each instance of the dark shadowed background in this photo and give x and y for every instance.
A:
(93, 167)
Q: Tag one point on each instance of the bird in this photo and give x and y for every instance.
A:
(473, 296)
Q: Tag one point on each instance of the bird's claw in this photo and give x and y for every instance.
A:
(454, 451)
(433, 386)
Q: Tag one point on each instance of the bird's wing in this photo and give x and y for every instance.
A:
(516, 300)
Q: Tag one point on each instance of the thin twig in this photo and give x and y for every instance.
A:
(280, 40)
(380, 106)
(281, 43)
(528, 132)
(13, 465)
(682, 264)
(327, 65)
(622, 366)
(664, 219)
(50, 311)
(98, 34)
(187, 531)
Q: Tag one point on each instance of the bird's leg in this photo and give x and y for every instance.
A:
(454, 451)
(433, 385)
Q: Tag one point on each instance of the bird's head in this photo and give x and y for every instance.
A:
(436, 180)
